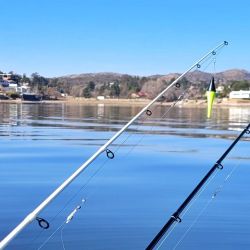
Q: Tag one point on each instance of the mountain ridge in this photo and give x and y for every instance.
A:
(230, 74)
(124, 85)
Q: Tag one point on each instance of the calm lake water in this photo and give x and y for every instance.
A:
(157, 163)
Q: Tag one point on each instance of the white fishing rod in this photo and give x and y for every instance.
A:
(34, 214)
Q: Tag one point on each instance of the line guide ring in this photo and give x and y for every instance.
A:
(176, 218)
(177, 85)
(219, 165)
(148, 112)
(42, 223)
(110, 154)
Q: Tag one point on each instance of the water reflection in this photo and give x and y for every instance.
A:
(137, 190)
(183, 121)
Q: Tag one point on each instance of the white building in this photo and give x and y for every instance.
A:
(100, 97)
(220, 89)
(12, 87)
(23, 89)
(242, 94)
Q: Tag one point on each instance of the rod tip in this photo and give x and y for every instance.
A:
(225, 43)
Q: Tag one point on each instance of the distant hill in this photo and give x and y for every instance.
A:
(233, 75)
(199, 76)
(124, 85)
(221, 77)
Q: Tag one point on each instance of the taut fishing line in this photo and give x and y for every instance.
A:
(188, 208)
(217, 190)
(181, 97)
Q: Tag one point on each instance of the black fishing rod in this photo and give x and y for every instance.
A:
(176, 216)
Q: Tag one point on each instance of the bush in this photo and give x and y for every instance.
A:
(13, 95)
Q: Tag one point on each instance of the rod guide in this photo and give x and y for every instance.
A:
(219, 165)
(42, 223)
(149, 112)
(110, 154)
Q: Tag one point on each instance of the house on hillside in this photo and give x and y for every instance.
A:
(7, 84)
(220, 89)
(12, 87)
(24, 88)
(242, 94)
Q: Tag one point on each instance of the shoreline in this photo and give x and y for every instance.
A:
(132, 102)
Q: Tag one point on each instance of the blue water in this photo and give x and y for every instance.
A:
(157, 163)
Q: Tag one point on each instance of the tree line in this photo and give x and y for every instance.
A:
(117, 86)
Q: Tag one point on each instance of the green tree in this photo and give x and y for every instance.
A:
(86, 92)
(102, 89)
(17, 78)
(115, 89)
(25, 78)
(240, 85)
(36, 79)
(91, 86)
(39, 83)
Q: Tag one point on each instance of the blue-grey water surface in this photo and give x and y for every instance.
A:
(157, 163)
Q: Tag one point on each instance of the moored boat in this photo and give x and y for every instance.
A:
(31, 97)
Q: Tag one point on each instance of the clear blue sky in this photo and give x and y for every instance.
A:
(141, 37)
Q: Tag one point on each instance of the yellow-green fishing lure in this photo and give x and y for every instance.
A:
(211, 92)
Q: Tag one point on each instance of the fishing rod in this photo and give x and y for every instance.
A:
(34, 214)
(175, 217)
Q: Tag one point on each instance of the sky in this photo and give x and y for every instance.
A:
(138, 37)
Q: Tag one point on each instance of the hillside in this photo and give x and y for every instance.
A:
(115, 85)
(123, 85)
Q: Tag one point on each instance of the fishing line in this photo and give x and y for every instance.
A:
(117, 148)
(167, 235)
(218, 189)
(123, 142)
(62, 239)
(62, 226)
(120, 145)
(77, 193)
(213, 196)
(151, 128)
(193, 223)
(187, 209)
(214, 61)
(70, 200)
(211, 56)
(181, 97)
(51, 236)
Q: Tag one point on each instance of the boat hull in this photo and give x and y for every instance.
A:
(32, 97)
